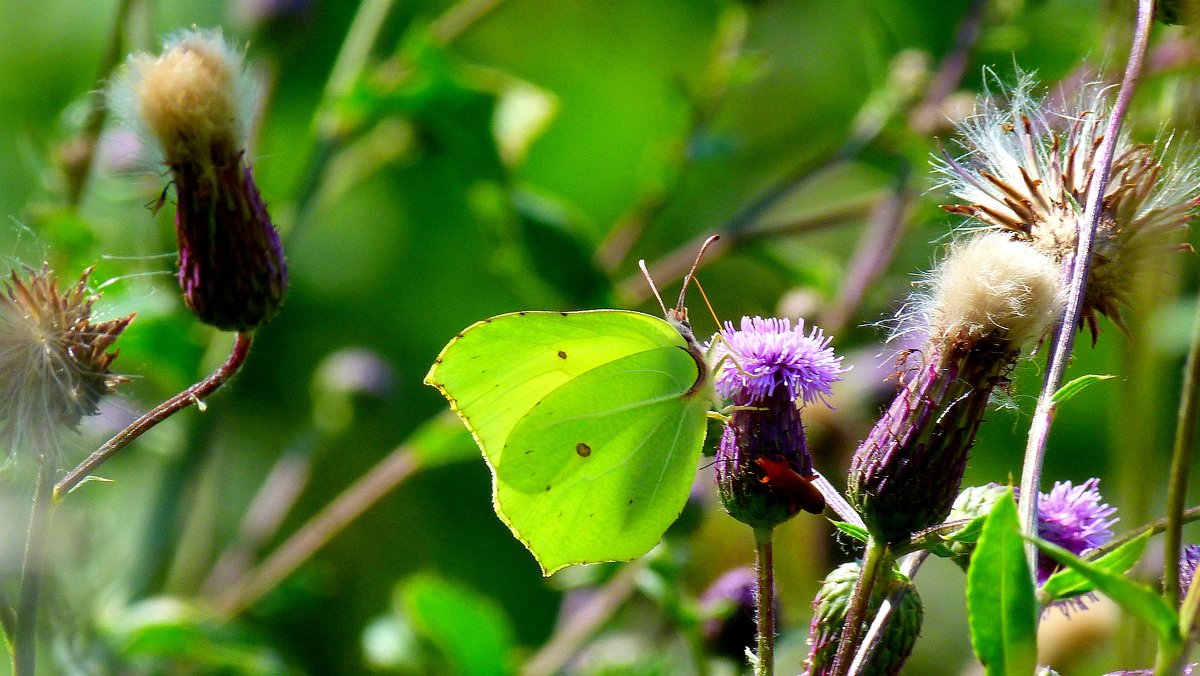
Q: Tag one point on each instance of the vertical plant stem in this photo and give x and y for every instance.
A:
(1064, 339)
(33, 569)
(873, 558)
(764, 599)
(1181, 463)
(879, 624)
(192, 395)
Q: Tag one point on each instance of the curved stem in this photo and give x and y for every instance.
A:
(1064, 338)
(1181, 462)
(764, 599)
(192, 395)
(34, 570)
(874, 635)
(874, 557)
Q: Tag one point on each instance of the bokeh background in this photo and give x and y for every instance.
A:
(432, 163)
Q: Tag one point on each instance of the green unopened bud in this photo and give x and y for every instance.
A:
(829, 618)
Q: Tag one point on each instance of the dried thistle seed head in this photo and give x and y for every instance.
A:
(192, 100)
(990, 285)
(1026, 170)
(54, 359)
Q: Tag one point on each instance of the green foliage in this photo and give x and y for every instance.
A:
(1074, 387)
(1000, 601)
(1069, 582)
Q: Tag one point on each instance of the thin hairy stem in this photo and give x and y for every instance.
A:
(874, 635)
(192, 395)
(33, 571)
(1181, 463)
(319, 530)
(764, 600)
(1064, 338)
(874, 558)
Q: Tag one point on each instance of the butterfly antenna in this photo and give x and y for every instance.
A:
(707, 304)
(692, 273)
(650, 281)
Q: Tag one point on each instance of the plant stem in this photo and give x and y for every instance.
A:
(33, 570)
(874, 635)
(1181, 462)
(319, 530)
(1064, 339)
(192, 395)
(764, 598)
(873, 558)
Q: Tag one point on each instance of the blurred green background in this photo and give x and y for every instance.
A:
(481, 157)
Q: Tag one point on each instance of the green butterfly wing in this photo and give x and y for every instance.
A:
(592, 423)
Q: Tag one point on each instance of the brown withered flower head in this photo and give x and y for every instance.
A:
(194, 101)
(54, 360)
(1026, 170)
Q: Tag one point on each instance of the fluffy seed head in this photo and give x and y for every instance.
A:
(1026, 168)
(190, 98)
(54, 360)
(991, 286)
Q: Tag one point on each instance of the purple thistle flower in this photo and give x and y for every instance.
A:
(763, 465)
(1074, 518)
(767, 354)
(1188, 559)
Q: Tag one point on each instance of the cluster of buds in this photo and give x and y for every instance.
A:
(1027, 170)
(769, 370)
(193, 100)
(829, 618)
(990, 297)
(55, 360)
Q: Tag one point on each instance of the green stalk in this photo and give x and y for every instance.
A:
(1181, 462)
(34, 570)
(873, 559)
(764, 598)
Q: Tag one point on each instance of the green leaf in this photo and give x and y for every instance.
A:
(1000, 601)
(1069, 582)
(1076, 386)
(857, 532)
(592, 423)
(470, 631)
(1137, 599)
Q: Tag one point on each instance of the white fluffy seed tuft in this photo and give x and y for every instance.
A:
(992, 286)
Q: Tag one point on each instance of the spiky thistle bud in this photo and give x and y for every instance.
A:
(986, 300)
(1026, 170)
(193, 100)
(54, 360)
(769, 370)
(829, 618)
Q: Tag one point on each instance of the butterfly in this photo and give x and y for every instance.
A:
(592, 423)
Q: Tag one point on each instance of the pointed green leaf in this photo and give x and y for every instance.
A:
(1137, 599)
(1076, 386)
(472, 633)
(1000, 602)
(1069, 582)
(857, 532)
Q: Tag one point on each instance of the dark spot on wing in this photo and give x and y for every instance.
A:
(547, 489)
(631, 501)
(563, 314)
(562, 355)
(529, 451)
(583, 449)
(522, 313)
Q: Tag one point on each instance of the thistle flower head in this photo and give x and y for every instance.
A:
(1074, 518)
(53, 357)
(192, 99)
(769, 369)
(1026, 169)
(770, 354)
(1188, 559)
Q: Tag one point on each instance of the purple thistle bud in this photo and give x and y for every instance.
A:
(193, 100)
(987, 298)
(829, 618)
(1074, 518)
(1188, 559)
(769, 370)
(729, 605)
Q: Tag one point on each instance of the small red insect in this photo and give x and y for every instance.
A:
(799, 490)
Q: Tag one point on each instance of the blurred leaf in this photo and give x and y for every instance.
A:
(472, 634)
(1066, 392)
(1137, 599)
(1000, 602)
(442, 440)
(1069, 582)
